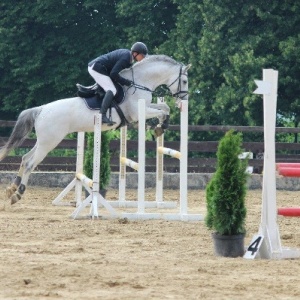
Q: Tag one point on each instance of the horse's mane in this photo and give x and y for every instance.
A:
(153, 59)
(158, 58)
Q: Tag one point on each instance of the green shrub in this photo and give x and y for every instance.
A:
(226, 191)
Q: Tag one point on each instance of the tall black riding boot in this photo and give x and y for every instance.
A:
(105, 105)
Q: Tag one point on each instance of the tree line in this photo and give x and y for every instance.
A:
(45, 46)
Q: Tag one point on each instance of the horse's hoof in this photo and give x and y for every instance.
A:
(165, 124)
(158, 131)
(10, 190)
(15, 198)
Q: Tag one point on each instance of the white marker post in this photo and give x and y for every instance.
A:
(267, 243)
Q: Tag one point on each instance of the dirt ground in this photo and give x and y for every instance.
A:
(46, 255)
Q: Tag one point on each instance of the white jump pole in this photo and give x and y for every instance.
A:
(183, 159)
(130, 163)
(96, 166)
(267, 242)
(159, 166)
(169, 151)
(122, 174)
(183, 214)
(79, 166)
(268, 226)
(142, 156)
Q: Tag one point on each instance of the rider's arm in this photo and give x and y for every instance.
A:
(118, 67)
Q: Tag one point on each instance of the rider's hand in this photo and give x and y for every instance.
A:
(128, 82)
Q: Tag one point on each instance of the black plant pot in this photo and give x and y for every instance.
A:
(229, 245)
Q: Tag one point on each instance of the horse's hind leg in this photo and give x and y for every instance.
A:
(13, 186)
(29, 162)
(10, 190)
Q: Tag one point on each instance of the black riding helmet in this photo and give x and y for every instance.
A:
(140, 48)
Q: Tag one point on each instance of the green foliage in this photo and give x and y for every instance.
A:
(45, 46)
(104, 158)
(151, 28)
(228, 44)
(226, 191)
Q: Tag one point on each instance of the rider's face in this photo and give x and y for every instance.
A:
(138, 56)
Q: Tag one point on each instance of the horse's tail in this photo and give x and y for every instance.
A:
(23, 127)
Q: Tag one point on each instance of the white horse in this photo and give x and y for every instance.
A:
(53, 121)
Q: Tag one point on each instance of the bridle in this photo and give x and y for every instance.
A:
(180, 94)
(179, 91)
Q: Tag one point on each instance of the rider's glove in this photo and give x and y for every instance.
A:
(128, 82)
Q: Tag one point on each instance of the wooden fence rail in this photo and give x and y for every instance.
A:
(203, 159)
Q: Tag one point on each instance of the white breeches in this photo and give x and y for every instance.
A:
(104, 81)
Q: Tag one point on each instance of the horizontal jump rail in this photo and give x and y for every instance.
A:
(287, 165)
(130, 163)
(289, 211)
(169, 151)
(289, 172)
(84, 179)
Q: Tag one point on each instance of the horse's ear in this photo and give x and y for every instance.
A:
(187, 67)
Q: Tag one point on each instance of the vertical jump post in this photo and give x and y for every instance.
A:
(267, 244)
(91, 185)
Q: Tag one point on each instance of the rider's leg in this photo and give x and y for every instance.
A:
(106, 83)
(106, 102)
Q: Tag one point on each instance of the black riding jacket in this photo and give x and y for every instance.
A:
(112, 63)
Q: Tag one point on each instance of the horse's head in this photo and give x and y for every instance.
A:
(179, 87)
(156, 70)
(147, 75)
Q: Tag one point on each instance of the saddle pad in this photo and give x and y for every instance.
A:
(93, 103)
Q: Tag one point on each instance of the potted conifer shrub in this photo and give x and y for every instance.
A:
(225, 198)
(104, 159)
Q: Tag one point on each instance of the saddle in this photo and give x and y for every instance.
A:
(94, 94)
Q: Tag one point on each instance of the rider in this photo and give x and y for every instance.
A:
(105, 69)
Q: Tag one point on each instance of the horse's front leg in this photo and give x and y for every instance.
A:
(163, 114)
